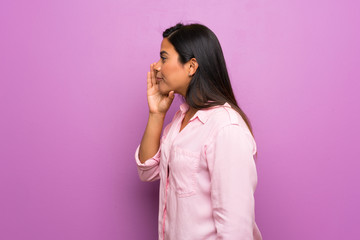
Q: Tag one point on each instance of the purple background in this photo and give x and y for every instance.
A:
(73, 110)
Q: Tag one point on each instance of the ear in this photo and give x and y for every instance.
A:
(193, 66)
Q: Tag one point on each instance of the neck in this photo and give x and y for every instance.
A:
(191, 111)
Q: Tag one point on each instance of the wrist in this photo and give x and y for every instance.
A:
(157, 115)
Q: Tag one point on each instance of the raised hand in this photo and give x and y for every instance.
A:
(158, 102)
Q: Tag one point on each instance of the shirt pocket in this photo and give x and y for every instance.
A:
(183, 168)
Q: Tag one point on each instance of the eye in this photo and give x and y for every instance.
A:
(163, 59)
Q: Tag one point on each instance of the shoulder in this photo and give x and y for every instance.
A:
(227, 120)
(224, 116)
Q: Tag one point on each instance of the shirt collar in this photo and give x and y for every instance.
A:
(202, 114)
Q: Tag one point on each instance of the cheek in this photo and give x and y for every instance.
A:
(167, 73)
(171, 73)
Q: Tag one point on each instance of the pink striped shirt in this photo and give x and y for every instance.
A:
(208, 192)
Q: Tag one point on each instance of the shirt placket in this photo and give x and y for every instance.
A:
(168, 171)
(166, 190)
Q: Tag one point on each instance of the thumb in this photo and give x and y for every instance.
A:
(171, 95)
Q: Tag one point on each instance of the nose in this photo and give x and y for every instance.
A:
(157, 66)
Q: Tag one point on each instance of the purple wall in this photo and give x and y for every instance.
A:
(73, 110)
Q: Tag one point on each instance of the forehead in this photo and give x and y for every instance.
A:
(167, 46)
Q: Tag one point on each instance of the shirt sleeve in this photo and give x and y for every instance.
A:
(233, 181)
(149, 170)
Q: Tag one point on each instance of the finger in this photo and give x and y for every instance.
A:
(149, 84)
(152, 74)
(170, 97)
(154, 71)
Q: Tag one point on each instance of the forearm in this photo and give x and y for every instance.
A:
(150, 141)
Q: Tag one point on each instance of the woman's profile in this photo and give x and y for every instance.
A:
(204, 157)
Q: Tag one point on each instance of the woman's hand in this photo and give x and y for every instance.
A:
(158, 103)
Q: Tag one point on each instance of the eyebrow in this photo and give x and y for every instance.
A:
(163, 52)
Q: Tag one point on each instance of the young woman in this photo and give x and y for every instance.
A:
(204, 158)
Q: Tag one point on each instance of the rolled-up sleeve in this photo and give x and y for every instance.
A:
(149, 170)
(233, 181)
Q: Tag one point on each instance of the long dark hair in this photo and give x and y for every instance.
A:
(211, 80)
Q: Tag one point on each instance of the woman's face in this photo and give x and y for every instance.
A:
(170, 74)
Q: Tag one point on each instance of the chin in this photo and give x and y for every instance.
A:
(163, 91)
